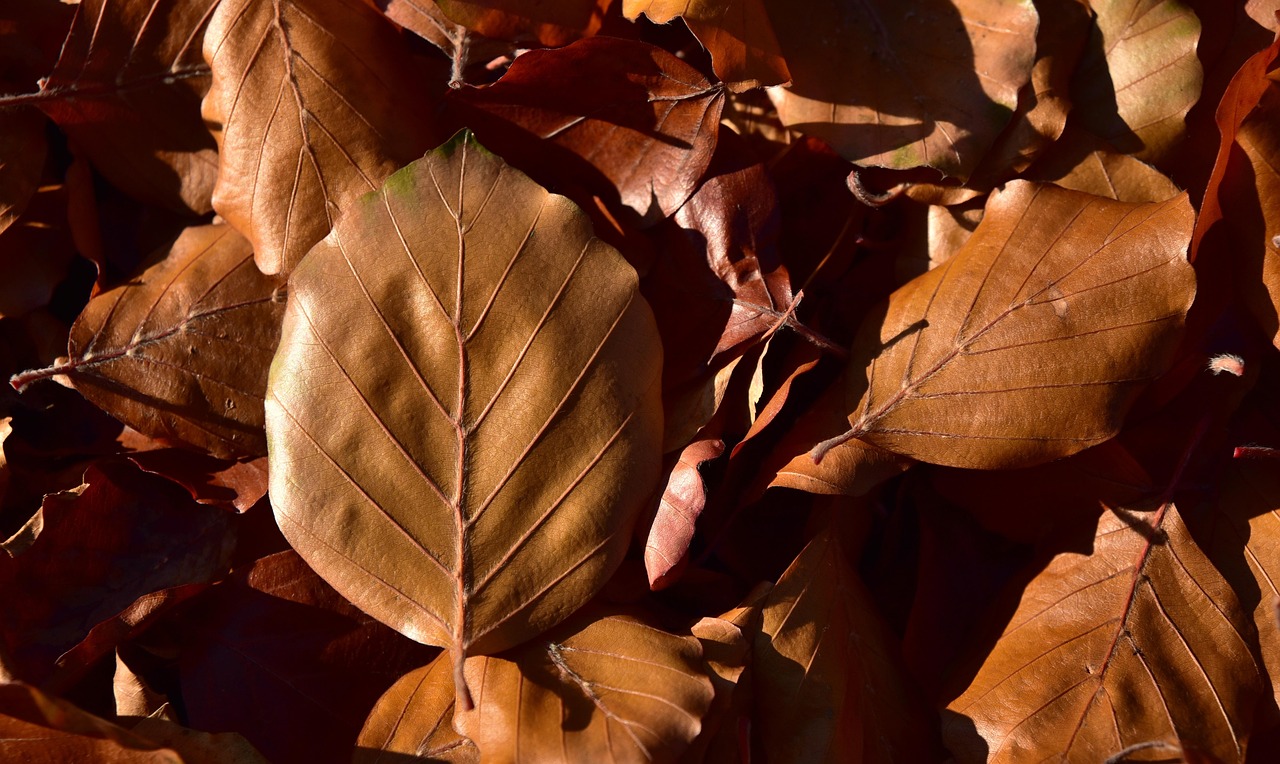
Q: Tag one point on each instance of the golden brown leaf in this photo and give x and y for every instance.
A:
(1259, 258)
(946, 77)
(829, 684)
(1140, 75)
(464, 414)
(38, 729)
(1082, 162)
(415, 717)
(1139, 640)
(314, 103)
(1031, 342)
(608, 689)
(738, 34)
(550, 24)
(182, 354)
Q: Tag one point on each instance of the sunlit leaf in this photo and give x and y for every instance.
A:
(738, 34)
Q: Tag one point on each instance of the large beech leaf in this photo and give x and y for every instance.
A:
(464, 413)
(315, 103)
(182, 353)
(737, 33)
(829, 685)
(1138, 641)
(601, 689)
(1140, 76)
(415, 717)
(946, 77)
(1031, 342)
(632, 112)
(127, 90)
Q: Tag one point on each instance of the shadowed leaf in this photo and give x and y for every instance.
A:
(22, 152)
(546, 23)
(39, 729)
(415, 717)
(737, 33)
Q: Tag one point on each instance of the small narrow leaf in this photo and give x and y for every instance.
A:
(464, 413)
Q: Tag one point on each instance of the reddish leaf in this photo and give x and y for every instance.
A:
(683, 498)
(625, 118)
(551, 24)
(737, 33)
(22, 153)
(35, 253)
(240, 484)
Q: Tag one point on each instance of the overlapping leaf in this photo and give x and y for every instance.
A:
(551, 24)
(1031, 342)
(38, 729)
(464, 414)
(415, 717)
(1136, 642)
(738, 34)
(315, 102)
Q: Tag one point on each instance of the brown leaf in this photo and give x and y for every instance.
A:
(726, 645)
(551, 24)
(829, 685)
(683, 499)
(1140, 75)
(464, 413)
(737, 33)
(464, 47)
(633, 114)
(197, 747)
(926, 104)
(1082, 162)
(38, 729)
(1030, 343)
(127, 90)
(22, 152)
(415, 717)
(182, 353)
(606, 689)
(1137, 641)
(278, 656)
(1258, 253)
(315, 102)
(35, 253)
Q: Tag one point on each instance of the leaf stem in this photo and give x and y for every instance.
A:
(21, 381)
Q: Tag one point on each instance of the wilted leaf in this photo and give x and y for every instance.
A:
(38, 729)
(1031, 342)
(946, 77)
(182, 354)
(127, 89)
(315, 102)
(279, 657)
(683, 499)
(625, 110)
(737, 33)
(607, 689)
(464, 415)
(828, 681)
(22, 152)
(1139, 640)
(415, 717)
(1140, 75)
(551, 24)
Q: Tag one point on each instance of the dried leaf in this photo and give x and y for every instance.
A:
(1030, 343)
(550, 24)
(198, 747)
(1258, 256)
(415, 717)
(35, 253)
(1140, 75)
(182, 354)
(607, 689)
(127, 90)
(683, 499)
(828, 683)
(314, 102)
(1138, 640)
(737, 33)
(38, 729)
(480, 484)
(946, 83)
(630, 112)
(22, 152)
(1083, 162)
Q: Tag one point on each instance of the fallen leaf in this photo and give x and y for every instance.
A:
(1139, 640)
(182, 353)
(610, 689)
(482, 485)
(35, 253)
(196, 747)
(1082, 162)
(127, 90)
(1258, 256)
(1139, 75)
(737, 33)
(38, 729)
(683, 498)
(829, 685)
(314, 103)
(550, 24)
(415, 717)
(946, 84)
(970, 369)
(464, 47)
(22, 153)
(631, 118)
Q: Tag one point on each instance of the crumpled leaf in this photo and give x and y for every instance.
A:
(415, 717)
(1030, 343)
(464, 413)
(828, 684)
(946, 77)
(1140, 75)
(127, 90)
(1137, 640)
(38, 729)
(683, 498)
(550, 24)
(631, 119)
(737, 33)
(607, 689)
(182, 353)
(314, 103)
